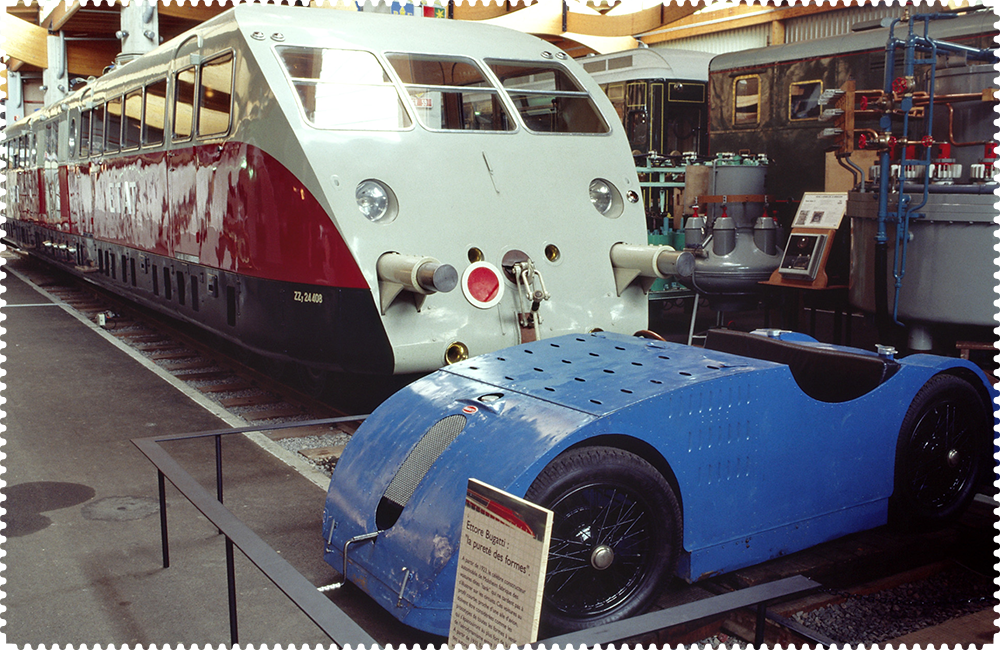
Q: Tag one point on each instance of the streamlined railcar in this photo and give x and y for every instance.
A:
(767, 100)
(343, 190)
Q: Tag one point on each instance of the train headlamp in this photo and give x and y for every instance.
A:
(375, 201)
(605, 198)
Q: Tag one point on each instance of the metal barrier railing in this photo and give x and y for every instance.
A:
(333, 621)
(343, 630)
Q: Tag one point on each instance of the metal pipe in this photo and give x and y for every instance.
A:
(164, 539)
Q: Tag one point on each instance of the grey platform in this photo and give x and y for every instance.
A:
(82, 533)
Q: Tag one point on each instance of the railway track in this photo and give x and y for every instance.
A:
(879, 586)
(255, 390)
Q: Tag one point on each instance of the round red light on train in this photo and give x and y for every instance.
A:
(482, 285)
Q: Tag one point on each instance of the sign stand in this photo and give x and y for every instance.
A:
(803, 264)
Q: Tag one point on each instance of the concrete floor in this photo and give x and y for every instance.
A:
(82, 543)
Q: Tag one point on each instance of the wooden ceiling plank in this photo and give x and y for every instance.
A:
(952, 5)
(484, 10)
(90, 58)
(23, 41)
(197, 13)
(733, 18)
(58, 15)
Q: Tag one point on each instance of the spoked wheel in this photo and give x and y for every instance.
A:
(942, 450)
(312, 381)
(615, 538)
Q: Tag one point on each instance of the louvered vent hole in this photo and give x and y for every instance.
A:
(415, 468)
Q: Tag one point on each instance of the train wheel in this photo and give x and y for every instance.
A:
(941, 452)
(312, 381)
(616, 536)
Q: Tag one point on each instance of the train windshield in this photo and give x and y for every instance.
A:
(548, 98)
(343, 89)
(451, 93)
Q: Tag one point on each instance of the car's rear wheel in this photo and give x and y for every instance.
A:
(941, 452)
(615, 538)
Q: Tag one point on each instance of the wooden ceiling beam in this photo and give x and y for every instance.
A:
(484, 10)
(90, 58)
(24, 41)
(58, 14)
(952, 5)
(732, 18)
(197, 13)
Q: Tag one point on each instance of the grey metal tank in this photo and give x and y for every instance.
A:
(734, 240)
(949, 256)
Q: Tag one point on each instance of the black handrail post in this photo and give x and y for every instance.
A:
(164, 539)
(234, 633)
(218, 470)
(758, 636)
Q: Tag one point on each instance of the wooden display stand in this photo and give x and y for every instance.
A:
(803, 265)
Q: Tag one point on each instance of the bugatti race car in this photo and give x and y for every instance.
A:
(657, 459)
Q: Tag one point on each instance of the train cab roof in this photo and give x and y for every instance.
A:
(648, 63)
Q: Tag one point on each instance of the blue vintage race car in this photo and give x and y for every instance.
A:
(656, 458)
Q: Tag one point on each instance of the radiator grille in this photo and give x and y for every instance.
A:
(419, 462)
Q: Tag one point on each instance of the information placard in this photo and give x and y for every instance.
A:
(821, 210)
(502, 560)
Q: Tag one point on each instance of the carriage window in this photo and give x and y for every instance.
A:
(85, 133)
(803, 100)
(71, 139)
(451, 93)
(746, 95)
(686, 92)
(133, 120)
(215, 99)
(154, 112)
(97, 132)
(343, 89)
(184, 103)
(113, 132)
(549, 98)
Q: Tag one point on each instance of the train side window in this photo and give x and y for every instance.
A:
(451, 93)
(97, 132)
(154, 112)
(132, 126)
(184, 103)
(803, 100)
(746, 100)
(687, 92)
(113, 130)
(85, 133)
(216, 96)
(71, 138)
(549, 98)
(343, 89)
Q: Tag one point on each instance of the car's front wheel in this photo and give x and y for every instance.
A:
(616, 536)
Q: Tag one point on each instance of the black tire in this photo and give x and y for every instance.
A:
(613, 510)
(942, 450)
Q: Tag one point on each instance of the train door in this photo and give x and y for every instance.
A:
(81, 189)
(199, 181)
(153, 217)
(685, 117)
(50, 174)
(637, 116)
